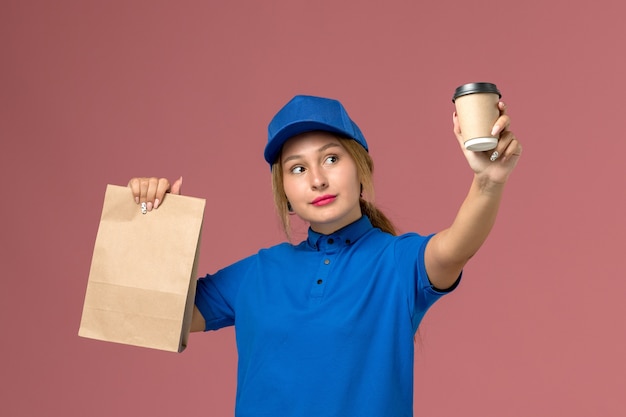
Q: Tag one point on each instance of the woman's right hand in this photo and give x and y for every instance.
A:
(152, 190)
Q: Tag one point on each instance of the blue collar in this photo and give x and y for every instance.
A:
(342, 237)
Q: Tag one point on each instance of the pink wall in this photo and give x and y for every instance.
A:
(94, 92)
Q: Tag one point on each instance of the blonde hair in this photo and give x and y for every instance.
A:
(365, 169)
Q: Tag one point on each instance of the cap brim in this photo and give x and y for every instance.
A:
(294, 129)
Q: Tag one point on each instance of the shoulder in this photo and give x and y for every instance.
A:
(279, 255)
(279, 250)
(406, 240)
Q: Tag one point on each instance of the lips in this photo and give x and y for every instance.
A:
(323, 200)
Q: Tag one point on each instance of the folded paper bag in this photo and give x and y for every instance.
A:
(142, 280)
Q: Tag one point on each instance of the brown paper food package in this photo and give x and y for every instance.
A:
(142, 280)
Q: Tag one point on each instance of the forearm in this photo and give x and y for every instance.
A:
(197, 321)
(473, 222)
(449, 250)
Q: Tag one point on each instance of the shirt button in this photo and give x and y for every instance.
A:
(347, 241)
(331, 241)
(326, 261)
(319, 281)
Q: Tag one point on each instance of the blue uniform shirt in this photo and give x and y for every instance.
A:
(326, 327)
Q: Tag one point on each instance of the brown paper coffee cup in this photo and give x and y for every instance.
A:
(477, 111)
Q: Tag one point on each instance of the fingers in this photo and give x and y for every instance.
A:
(150, 191)
(147, 194)
(162, 186)
(457, 129)
(503, 122)
(455, 124)
(133, 184)
(502, 107)
(178, 184)
(514, 150)
(508, 147)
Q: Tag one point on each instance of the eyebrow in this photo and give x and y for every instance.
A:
(320, 150)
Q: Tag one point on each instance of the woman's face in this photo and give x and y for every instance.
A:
(321, 182)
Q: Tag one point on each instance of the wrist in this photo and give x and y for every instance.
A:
(487, 185)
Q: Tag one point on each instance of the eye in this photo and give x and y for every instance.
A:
(297, 169)
(332, 159)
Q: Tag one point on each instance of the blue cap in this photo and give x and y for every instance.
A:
(306, 114)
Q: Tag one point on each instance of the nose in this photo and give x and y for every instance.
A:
(318, 179)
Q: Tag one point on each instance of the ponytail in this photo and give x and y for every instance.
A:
(365, 169)
(377, 217)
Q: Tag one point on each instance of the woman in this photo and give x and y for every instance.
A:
(326, 327)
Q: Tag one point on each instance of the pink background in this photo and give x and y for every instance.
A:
(95, 92)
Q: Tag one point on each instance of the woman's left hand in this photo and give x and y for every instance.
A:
(497, 164)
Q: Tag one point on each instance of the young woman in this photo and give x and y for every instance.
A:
(326, 327)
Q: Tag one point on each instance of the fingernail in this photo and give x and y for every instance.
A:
(495, 129)
(137, 200)
(144, 209)
(156, 203)
(494, 156)
(149, 206)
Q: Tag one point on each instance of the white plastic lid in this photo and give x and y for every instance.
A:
(481, 144)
